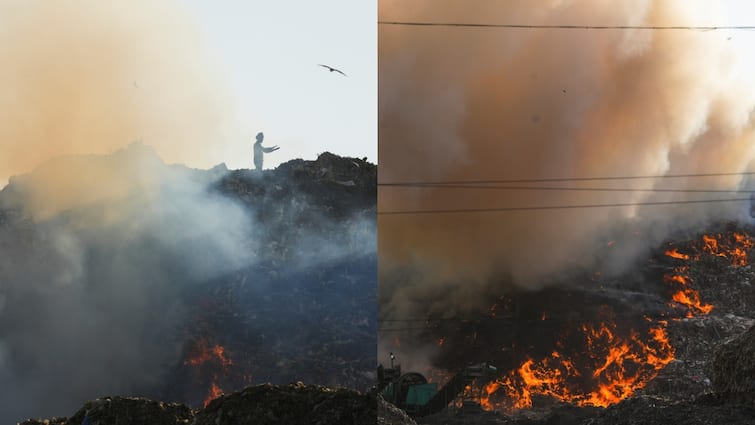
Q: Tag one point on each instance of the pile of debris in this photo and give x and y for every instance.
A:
(331, 186)
(710, 379)
(263, 315)
(293, 404)
(388, 414)
(734, 367)
(260, 405)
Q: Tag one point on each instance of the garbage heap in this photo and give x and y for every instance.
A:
(265, 404)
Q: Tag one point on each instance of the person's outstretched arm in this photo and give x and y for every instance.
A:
(271, 149)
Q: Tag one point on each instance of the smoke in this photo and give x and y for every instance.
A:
(95, 249)
(93, 285)
(460, 104)
(88, 77)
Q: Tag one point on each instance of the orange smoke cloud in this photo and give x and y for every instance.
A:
(89, 77)
(469, 104)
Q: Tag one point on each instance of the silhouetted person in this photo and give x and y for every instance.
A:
(260, 151)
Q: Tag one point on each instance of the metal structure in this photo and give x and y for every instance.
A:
(412, 393)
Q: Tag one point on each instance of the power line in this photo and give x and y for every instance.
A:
(561, 188)
(563, 179)
(555, 207)
(570, 27)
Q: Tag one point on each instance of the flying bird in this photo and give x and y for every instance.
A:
(331, 69)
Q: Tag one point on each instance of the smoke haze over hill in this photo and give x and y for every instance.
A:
(90, 77)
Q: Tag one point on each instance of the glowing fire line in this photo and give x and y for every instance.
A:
(626, 365)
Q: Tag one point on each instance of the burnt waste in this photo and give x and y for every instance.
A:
(669, 340)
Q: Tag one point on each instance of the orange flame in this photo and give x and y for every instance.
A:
(215, 392)
(489, 389)
(219, 352)
(711, 245)
(686, 295)
(691, 298)
(204, 353)
(674, 253)
(620, 367)
(617, 364)
(734, 247)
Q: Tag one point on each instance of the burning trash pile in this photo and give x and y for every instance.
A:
(180, 285)
(261, 404)
(632, 343)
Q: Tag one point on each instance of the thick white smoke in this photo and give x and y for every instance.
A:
(93, 286)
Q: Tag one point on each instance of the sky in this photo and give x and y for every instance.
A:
(270, 51)
(194, 79)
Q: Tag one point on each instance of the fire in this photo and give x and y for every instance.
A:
(674, 253)
(711, 246)
(691, 299)
(613, 370)
(204, 354)
(733, 247)
(600, 364)
(686, 295)
(215, 392)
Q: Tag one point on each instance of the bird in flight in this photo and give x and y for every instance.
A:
(331, 69)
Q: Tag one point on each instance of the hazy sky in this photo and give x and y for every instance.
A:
(270, 50)
(194, 79)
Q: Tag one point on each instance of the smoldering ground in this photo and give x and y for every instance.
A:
(469, 104)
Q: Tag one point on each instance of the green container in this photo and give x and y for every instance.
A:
(420, 395)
